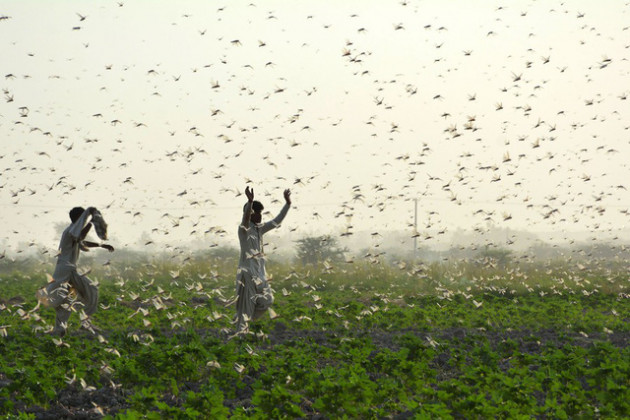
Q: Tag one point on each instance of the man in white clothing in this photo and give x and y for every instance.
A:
(254, 296)
(57, 294)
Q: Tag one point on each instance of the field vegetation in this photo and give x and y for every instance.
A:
(494, 335)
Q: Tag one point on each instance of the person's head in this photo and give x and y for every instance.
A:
(75, 213)
(256, 215)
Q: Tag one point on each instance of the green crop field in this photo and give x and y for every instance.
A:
(361, 340)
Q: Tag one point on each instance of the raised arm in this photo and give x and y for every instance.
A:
(248, 207)
(275, 222)
(77, 227)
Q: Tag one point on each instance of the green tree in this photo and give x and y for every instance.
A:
(316, 249)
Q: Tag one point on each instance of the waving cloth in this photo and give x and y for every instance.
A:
(99, 224)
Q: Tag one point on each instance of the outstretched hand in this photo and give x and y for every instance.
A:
(108, 247)
(287, 196)
(249, 193)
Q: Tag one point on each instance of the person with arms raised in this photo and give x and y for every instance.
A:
(253, 293)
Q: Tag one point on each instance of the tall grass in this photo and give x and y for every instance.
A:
(444, 278)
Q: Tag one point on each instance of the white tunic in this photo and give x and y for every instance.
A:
(252, 259)
(55, 294)
(69, 249)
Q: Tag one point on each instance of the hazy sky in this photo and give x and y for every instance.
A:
(506, 114)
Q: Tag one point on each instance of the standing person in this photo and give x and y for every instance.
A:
(57, 293)
(254, 296)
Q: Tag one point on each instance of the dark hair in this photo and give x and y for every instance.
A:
(75, 213)
(257, 206)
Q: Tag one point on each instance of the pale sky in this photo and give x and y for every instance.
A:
(506, 114)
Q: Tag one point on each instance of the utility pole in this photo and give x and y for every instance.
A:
(415, 229)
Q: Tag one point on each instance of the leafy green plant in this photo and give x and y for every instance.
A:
(453, 340)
